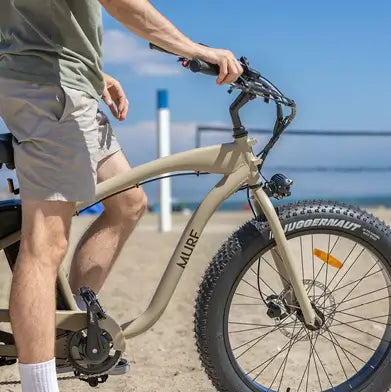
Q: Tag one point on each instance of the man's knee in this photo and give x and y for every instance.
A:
(46, 250)
(127, 207)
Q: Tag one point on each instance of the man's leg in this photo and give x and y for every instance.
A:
(101, 244)
(43, 245)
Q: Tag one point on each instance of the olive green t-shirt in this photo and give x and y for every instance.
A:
(52, 41)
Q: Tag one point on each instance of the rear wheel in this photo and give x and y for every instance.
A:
(250, 331)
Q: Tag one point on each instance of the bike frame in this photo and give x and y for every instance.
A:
(238, 165)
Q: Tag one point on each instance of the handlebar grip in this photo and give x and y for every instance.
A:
(202, 66)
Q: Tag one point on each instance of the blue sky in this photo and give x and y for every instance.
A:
(332, 57)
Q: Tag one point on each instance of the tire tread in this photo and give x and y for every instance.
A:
(235, 243)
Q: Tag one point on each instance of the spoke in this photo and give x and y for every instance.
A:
(327, 266)
(284, 362)
(354, 341)
(251, 329)
(353, 282)
(296, 338)
(258, 325)
(347, 295)
(321, 268)
(323, 367)
(313, 262)
(257, 340)
(343, 263)
(260, 279)
(366, 303)
(316, 368)
(308, 374)
(360, 330)
(365, 294)
(364, 319)
(343, 349)
(339, 359)
(308, 365)
(301, 255)
(333, 338)
(248, 296)
(351, 266)
(354, 287)
(255, 288)
(274, 269)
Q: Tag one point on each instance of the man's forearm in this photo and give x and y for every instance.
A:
(140, 17)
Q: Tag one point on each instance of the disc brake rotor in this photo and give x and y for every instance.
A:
(324, 301)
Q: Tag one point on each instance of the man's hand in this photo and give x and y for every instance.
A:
(114, 97)
(230, 68)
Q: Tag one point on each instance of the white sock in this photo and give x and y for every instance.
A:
(39, 377)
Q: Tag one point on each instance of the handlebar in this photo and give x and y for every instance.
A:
(252, 85)
(198, 65)
(250, 81)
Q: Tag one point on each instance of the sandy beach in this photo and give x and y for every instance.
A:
(163, 359)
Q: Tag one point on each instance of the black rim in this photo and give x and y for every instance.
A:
(337, 315)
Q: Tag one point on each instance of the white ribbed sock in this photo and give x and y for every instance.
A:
(39, 377)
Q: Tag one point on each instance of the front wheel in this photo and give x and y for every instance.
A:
(250, 331)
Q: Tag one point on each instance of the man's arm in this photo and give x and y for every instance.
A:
(140, 17)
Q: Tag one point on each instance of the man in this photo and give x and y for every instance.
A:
(50, 82)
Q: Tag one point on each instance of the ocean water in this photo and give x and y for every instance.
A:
(313, 163)
(187, 192)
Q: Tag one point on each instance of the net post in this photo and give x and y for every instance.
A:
(163, 127)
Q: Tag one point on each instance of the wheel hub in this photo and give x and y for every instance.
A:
(287, 313)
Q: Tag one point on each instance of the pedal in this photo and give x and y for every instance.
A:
(91, 300)
(94, 381)
(120, 369)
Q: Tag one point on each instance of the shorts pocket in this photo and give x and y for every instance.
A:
(63, 103)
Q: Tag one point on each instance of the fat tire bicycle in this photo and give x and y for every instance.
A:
(297, 299)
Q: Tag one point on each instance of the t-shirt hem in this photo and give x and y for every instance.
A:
(10, 74)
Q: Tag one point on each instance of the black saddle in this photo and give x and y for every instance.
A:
(6, 151)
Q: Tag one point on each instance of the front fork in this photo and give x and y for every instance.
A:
(284, 258)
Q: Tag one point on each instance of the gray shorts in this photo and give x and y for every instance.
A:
(59, 139)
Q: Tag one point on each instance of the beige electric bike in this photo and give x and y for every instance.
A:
(297, 299)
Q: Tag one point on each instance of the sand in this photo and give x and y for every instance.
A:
(163, 359)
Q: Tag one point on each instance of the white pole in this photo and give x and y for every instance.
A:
(163, 124)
